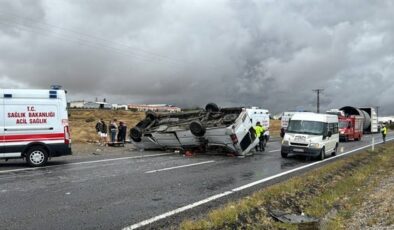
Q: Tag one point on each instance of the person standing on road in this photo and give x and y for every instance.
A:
(384, 133)
(113, 128)
(99, 127)
(259, 131)
(104, 131)
(263, 138)
(122, 132)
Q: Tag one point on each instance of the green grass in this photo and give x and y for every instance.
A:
(340, 186)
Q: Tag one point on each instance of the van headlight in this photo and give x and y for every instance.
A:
(285, 142)
(315, 145)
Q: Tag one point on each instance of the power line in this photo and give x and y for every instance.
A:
(318, 91)
(88, 40)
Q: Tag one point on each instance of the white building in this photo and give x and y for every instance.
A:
(156, 108)
(118, 106)
(77, 104)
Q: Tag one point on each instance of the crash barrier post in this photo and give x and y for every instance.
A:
(373, 143)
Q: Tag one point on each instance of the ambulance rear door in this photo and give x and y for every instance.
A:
(1, 123)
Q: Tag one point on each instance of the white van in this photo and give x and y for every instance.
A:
(311, 134)
(34, 125)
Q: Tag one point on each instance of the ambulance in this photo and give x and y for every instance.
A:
(34, 125)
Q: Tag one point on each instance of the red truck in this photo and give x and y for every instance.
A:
(350, 128)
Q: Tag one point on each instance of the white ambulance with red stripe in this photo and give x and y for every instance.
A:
(34, 125)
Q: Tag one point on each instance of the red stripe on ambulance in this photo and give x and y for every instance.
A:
(32, 137)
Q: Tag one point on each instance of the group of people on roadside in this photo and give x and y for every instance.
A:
(116, 132)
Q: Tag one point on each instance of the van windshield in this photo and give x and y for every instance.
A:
(343, 124)
(306, 127)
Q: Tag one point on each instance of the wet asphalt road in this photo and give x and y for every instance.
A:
(108, 193)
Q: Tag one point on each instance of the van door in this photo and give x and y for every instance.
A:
(330, 141)
(1, 123)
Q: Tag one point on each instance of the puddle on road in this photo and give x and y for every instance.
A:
(292, 162)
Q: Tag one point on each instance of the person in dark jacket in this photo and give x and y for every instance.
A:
(122, 132)
(104, 131)
(99, 127)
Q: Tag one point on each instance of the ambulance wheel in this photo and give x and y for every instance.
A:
(36, 156)
(283, 154)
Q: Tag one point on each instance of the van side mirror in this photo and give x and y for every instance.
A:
(329, 134)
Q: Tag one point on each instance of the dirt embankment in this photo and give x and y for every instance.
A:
(353, 193)
(83, 122)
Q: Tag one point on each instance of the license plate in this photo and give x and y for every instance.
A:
(298, 150)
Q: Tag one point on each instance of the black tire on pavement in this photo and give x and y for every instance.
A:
(283, 154)
(197, 128)
(211, 107)
(322, 154)
(36, 156)
(335, 150)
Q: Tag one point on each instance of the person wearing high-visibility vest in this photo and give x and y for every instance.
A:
(259, 129)
(384, 133)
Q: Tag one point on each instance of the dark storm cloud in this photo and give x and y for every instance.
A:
(264, 53)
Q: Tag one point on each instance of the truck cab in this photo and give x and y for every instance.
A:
(350, 128)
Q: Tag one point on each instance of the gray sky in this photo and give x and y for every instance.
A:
(191, 52)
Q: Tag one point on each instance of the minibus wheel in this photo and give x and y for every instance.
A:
(322, 154)
(211, 107)
(197, 129)
(36, 156)
(335, 150)
(135, 133)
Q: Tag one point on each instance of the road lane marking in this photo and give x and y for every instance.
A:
(226, 193)
(85, 162)
(180, 166)
(272, 151)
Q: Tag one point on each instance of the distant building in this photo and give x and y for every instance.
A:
(155, 107)
(77, 104)
(89, 105)
(117, 106)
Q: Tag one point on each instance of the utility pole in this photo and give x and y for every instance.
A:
(318, 91)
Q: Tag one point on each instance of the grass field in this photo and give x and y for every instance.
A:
(82, 122)
(333, 194)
